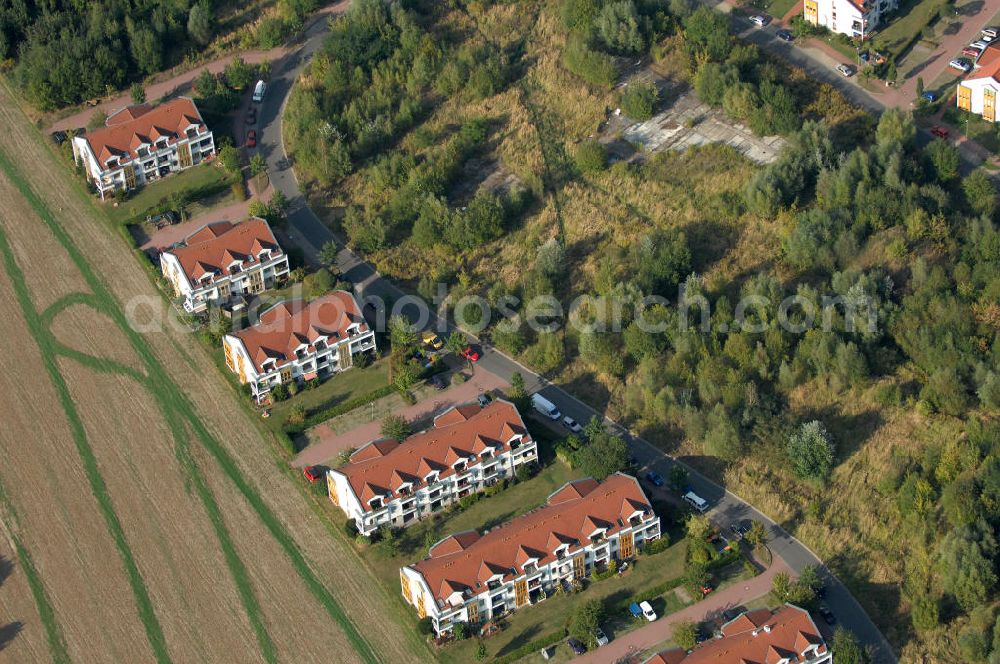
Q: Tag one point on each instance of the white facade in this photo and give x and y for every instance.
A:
(433, 493)
(853, 18)
(255, 275)
(979, 96)
(499, 596)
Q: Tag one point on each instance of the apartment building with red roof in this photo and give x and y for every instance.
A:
(296, 341)
(467, 449)
(978, 92)
(786, 635)
(474, 577)
(854, 18)
(141, 144)
(222, 262)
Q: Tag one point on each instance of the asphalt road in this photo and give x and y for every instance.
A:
(307, 230)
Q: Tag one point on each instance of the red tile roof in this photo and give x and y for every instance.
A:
(988, 63)
(463, 432)
(756, 637)
(214, 248)
(129, 128)
(286, 326)
(463, 560)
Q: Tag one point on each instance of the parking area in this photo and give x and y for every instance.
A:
(689, 122)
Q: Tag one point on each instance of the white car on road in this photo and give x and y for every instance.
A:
(845, 70)
(758, 20)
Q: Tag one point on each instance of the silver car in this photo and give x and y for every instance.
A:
(845, 70)
(601, 638)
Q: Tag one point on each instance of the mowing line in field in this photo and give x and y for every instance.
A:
(172, 401)
(154, 633)
(53, 633)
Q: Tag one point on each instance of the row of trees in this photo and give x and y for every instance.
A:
(69, 51)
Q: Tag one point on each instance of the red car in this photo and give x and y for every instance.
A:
(252, 138)
(470, 354)
(939, 131)
(312, 473)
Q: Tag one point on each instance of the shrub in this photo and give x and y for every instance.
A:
(351, 528)
(590, 157)
(639, 100)
(280, 392)
(656, 546)
(811, 451)
(425, 626)
(592, 66)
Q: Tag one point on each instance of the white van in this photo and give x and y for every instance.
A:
(545, 407)
(695, 501)
(258, 91)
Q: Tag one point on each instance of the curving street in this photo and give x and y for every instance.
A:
(309, 232)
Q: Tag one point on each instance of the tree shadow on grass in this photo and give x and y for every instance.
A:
(6, 568)
(9, 632)
(849, 432)
(521, 639)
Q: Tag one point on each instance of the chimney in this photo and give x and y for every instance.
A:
(767, 628)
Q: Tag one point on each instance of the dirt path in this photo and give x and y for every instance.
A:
(330, 443)
(180, 83)
(651, 635)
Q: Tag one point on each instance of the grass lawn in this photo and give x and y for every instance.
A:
(979, 130)
(778, 8)
(553, 614)
(203, 177)
(348, 385)
(531, 622)
(906, 24)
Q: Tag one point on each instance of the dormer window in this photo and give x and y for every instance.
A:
(320, 344)
(376, 502)
(530, 568)
(459, 466)
(162, 143)
(142, 152)
(486, 455)
(265, 254)
(431, 477)
(112, 162)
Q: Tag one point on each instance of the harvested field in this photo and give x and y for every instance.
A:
(80, 328)
(204, 542)
(22, 635)
(53, 511)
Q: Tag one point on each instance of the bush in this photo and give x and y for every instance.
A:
(639, 100)
(656, 546)
(590, 157)
(425, 626)
(351, 528)
(280, 392)
(594, 67)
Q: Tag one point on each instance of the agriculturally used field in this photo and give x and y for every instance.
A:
(143, 515)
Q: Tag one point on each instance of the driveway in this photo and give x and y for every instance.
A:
(711, 607)
(331, 443)
(311, 234)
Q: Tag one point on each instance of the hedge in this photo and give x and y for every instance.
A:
(532, 647)
(326, 411)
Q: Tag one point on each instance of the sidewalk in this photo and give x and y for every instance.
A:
(712, 606)
(180, 83)
(331, 443)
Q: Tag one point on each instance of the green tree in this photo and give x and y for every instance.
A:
(781, 587)
(229, 157)
(402, 336)
(481, 653)
(707, 31)
(590, 157)
(138, 93)
(201, 22)
(257, 164)
(456, 343)
(685, 634)
(404, 376)
(517, 394)
(966, 564)
(811, 451)
(757, 536)
(639, 100)
(604, 453)
(847, 649)
(925, 613)
(329, 252)
(395, 427)
(318, 283)
(257, 208)
(580, 14)
(239, 74)
(594, 67)
(980, 194)
(617, 25)
(585, 621)
(943, 159)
